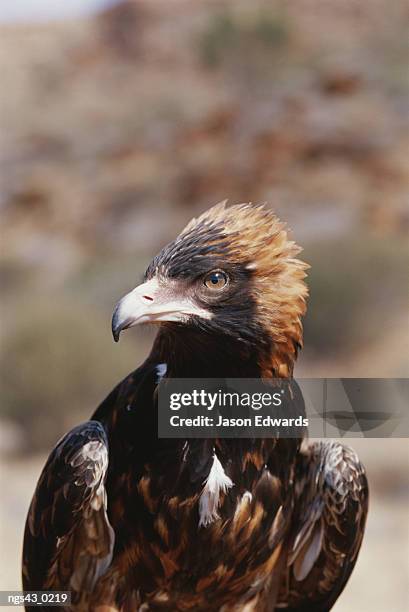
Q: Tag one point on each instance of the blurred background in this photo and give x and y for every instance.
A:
(122, 120)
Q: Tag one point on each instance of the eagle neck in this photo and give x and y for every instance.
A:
(189, 353)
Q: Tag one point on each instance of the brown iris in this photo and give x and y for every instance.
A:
(215, 280)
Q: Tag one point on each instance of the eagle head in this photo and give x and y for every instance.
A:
(232, 273)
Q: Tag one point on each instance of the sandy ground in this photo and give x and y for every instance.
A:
(380, 580)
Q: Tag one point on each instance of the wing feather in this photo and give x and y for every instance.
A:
(332, 506)
(68, 540)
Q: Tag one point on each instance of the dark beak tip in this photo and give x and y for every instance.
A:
(116, 327)
(115, 333)
(119, 323)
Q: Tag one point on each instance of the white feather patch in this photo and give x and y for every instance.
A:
(243, 505)
(217, 482)
(247, 497)
(161, 370)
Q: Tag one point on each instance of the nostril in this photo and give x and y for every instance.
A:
(148, 297)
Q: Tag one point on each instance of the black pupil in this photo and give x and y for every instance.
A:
(215, 278)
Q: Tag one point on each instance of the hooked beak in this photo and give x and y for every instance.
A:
(153, 303)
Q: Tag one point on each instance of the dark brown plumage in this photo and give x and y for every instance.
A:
(121, 518)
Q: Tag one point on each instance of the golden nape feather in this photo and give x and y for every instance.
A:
(128, 521)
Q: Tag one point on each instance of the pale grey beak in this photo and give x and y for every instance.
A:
(153, 303)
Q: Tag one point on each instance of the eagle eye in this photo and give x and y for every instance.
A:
(216, 280)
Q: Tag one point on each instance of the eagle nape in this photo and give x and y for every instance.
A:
(127, 521)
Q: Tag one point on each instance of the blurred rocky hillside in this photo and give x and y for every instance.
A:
(117, 128)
